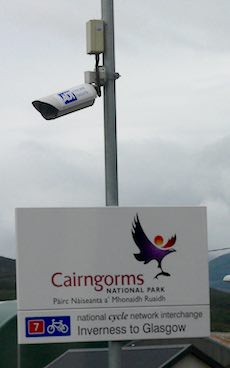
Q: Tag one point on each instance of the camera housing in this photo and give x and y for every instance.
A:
(65, 102)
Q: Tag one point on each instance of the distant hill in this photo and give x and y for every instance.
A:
(7, 278)
(220, 293)
(218, 268)
(220, 307)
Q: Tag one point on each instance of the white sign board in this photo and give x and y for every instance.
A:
(90, 274)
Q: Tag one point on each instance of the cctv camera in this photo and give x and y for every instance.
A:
(62, 103)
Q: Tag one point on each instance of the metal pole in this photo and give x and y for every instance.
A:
(111, 181)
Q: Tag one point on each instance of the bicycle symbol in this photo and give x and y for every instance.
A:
(57, 326)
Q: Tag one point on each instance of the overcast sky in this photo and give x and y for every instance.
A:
(173, 110)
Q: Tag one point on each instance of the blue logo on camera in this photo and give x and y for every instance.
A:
(68, 97)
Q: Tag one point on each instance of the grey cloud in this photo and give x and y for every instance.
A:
(158, 172)
(44, 176)
(163, 173)
(197, 24)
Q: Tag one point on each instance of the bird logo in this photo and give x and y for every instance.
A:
(149, 251)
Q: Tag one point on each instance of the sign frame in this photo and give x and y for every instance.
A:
(117, 273)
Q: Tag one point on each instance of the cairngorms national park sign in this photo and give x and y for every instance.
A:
(91, 274)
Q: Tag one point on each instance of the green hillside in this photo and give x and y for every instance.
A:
(218, 268)
(220, 307)
(7, 279)
(7, 288)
